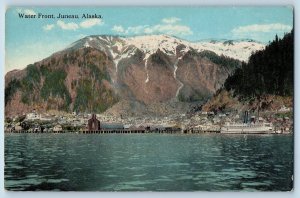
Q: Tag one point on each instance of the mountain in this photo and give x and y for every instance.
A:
(266, 81)
(237, 49)
(97, 72)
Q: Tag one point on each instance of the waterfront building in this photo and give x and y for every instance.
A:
(18, 128)
(127, 126)
(94, 124)
(33, 116)
(57, 128)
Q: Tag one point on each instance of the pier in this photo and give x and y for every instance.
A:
(140, 131)
(125, 131)
(197, 130)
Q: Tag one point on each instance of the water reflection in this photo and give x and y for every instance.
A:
(149, 162)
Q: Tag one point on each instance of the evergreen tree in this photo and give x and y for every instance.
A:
(269, 71)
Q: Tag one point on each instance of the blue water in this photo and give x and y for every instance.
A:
(148, 162)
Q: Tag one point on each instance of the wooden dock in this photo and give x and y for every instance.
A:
(126, 131)
(192, 131)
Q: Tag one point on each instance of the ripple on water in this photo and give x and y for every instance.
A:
(255, 184)
(112, 176)
(32, 176)
(185, 177)
(176, 164)
(22, 183)
(15, 166)
(138, 185)
(160, 162)
(140, 175)
(163, 180)
(248, 174)
(135, 168)
(56, 180)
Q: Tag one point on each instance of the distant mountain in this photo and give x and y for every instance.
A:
(97, 72)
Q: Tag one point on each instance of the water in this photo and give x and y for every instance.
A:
(149, 162)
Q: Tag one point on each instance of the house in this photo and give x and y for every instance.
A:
(18, 128)
(57, 128)
(33, 116)
(157, 127)
(36, 129)
(284, 109)
(127, 126)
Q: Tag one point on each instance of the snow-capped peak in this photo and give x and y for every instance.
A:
(151, 43)
(240, 50)
(115, 46)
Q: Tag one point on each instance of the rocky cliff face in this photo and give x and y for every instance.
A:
(97, 72)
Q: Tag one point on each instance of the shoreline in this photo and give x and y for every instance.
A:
(146, 132)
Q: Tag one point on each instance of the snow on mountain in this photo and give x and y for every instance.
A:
(150, 44)
(240, 50)
(118, 47)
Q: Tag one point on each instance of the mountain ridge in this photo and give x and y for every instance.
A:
(96, 72)
(153, 43)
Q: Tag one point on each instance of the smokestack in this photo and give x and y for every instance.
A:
(246, 116)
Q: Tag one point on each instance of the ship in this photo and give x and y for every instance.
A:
(248, 126)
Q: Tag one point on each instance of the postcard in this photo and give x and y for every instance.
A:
(149, 98)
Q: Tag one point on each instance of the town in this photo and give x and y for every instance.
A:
(199, 122)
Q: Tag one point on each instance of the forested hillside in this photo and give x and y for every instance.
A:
(268, 71)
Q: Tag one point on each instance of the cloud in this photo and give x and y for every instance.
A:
(130, 30)
(136, 29)
(74, 26)
(48, 27)
(90, 23)
(118, 28)
(262, 28)
(171, 20)
(260, 32)
(167, 26)
(169, 29)
(67, 26)
(26, 11)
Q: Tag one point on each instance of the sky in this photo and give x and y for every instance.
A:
(28, 40)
